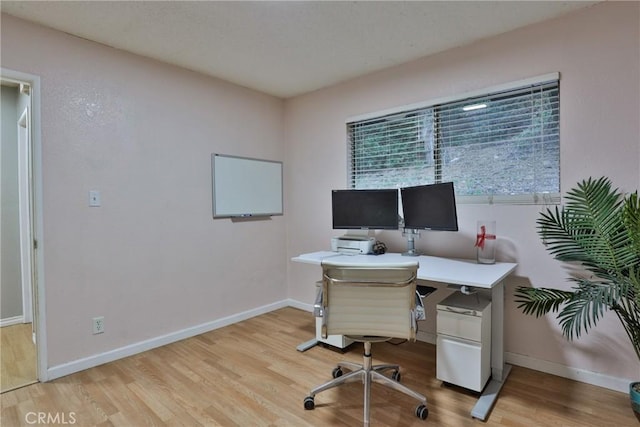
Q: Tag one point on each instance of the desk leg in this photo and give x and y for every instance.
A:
(489, 396)
(499, 370)
(307, 345)
(497, 331)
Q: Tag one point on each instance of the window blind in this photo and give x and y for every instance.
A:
(500, 147)
(389, 151)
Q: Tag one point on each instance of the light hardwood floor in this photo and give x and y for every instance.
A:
(250, 374)
(17, 356)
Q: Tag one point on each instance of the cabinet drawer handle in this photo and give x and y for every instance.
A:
(467, 312)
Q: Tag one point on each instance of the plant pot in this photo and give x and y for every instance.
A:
(634, 395)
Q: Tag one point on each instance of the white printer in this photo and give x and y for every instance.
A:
(350, 244)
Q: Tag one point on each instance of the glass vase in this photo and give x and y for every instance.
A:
(486, 242)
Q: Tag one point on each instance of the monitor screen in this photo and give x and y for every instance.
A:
(365, 209)
(430, 207)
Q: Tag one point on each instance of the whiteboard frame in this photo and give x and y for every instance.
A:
(258, 178)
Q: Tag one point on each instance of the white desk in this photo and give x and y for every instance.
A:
(454, 272)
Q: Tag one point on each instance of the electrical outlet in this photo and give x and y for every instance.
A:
(94, 198)
(98, 325)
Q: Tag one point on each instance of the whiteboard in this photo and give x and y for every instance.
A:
(245, 187)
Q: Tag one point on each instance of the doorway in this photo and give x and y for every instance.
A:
(20, 323)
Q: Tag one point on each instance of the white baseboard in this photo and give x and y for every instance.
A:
(300, 305)
(9, 321)
(581, 375)
(129, 350)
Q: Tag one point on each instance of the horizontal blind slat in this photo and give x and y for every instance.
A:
(515, 138)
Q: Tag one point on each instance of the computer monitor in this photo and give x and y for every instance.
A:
(430, 207)
(365, 209)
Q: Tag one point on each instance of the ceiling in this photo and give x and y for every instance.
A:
(286, 48)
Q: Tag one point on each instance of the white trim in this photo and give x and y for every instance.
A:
(452, 98)
(135, 348)
(24, 208)
(10, 321)
(40, 322)
(576, 374)
(300, 305)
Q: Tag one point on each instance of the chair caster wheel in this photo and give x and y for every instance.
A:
(337, 372)
(396, 376)
(309, 403)
(422, 412)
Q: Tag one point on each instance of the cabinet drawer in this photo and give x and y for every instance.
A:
(459, 325)
(463, 363)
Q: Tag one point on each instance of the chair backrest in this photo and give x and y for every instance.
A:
(369, 300)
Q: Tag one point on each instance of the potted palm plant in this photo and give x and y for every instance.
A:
(597, 231)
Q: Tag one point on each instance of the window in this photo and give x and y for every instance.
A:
(502, 145)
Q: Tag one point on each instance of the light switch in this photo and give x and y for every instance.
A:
(94, 198)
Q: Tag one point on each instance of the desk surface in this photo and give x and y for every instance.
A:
(437, 269)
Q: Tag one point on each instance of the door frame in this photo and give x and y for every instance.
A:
(37, 238)
(25, 212)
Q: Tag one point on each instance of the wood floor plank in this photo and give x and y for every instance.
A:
(17, 356)
(250, 374)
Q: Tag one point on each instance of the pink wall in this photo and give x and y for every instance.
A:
(596, 51)
(151, 260)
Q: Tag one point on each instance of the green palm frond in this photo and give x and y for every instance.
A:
(631, 219)
(587, 305)
(590, 229)
(628, 311)
(578, 310)
(540, 301)
(598, 228)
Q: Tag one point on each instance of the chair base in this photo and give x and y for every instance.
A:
(368, 373)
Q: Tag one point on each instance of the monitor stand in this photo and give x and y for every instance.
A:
(411, 234)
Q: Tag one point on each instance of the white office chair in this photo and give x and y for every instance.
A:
(369, 303)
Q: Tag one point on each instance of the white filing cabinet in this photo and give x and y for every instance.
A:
(463, 352)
